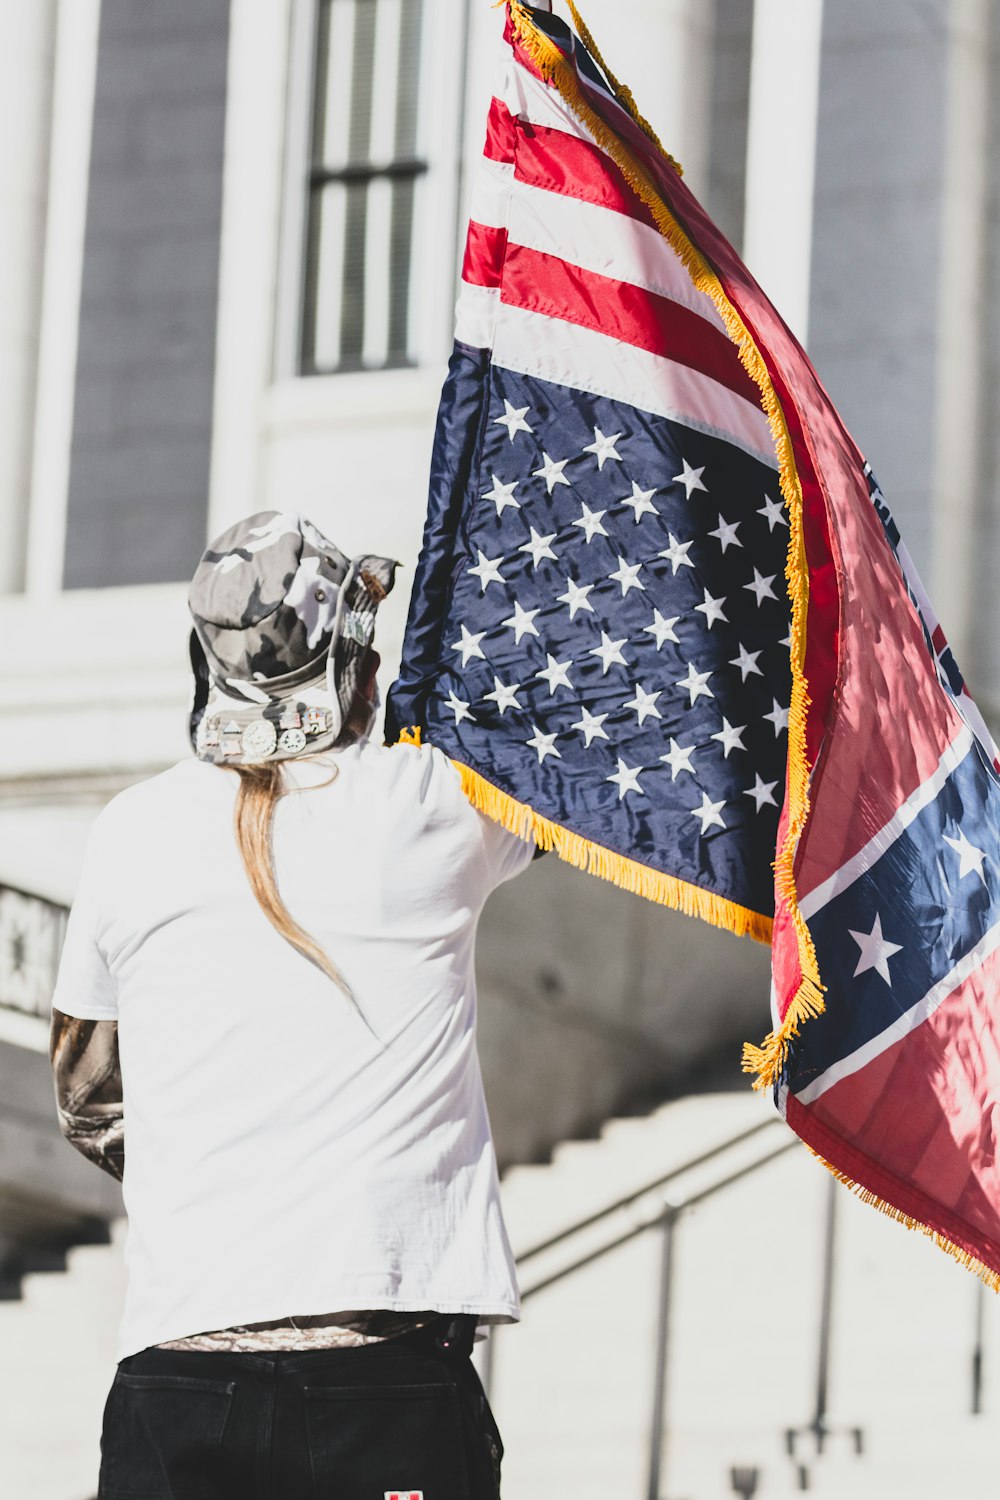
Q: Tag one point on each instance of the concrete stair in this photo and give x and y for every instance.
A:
(57, 1362)
(573, 1383)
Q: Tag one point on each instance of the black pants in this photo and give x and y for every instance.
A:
(407, 1417)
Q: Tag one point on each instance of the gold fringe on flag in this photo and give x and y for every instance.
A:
(629, 874)
(768, 1060)
(986, 1274)
(621, 93)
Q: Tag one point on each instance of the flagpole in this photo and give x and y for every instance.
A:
(460, 176)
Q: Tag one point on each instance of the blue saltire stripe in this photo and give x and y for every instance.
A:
(939, 920)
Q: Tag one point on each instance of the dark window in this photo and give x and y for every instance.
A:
(364, 181)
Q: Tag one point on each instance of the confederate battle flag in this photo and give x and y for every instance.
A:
(663, 622)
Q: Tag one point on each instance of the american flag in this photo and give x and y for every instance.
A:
(663, 620)
(612, 640)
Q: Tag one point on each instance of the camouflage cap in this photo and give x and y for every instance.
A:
(282, 622)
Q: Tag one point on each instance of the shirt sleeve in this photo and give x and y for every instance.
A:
(503, 855)
(85, 986)
(507, 854)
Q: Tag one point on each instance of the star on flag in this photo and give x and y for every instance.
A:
(677, 553)
(522, 622)
(678, 758)
(502, 495)
(610, 652)
(552, 472)
(513, 420)
(970, 858)
(539, 547)
(544, 744)
(487, 570)
(459, 708)
(771, 510)
(747, 663)
(726, 534)
(644, 704)
(876, 951)
(589, 725)
(662, 630)
(691, 479)
(590, 520)
(730, 738)
(762, 792)
(778, 717)
(604, 447)
(695, 683)
(504, 695)
(469, 645)
(628, 576)
(761, 587)
(712, 610)
(709, 812)
(626, 779)
(576, 597)
(556, 673)
(641, 502)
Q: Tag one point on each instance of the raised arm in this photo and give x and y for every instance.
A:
(88, 1087)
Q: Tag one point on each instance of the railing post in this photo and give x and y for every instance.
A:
(486, 1379)
(977, 1352)
(658, 1425)
(817, 1428)
(825, 1317)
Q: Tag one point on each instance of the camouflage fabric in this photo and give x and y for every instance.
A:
(282, 622)
(340, 1330)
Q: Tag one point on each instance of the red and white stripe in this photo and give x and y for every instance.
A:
(566, 278)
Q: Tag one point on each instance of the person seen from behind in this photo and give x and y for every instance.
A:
(267, 994)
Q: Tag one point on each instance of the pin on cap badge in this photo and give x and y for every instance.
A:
(259, 739)
(358, 627)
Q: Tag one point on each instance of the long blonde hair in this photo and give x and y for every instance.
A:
(260, 789)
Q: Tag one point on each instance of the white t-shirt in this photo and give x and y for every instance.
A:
(283, 1155)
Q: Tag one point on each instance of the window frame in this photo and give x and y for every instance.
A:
(439, 144)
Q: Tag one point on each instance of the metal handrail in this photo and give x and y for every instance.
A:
(666, 1220)
(650, 1187)
(669, 1211)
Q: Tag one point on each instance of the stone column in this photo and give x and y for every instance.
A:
(781, 153)
(26, 61)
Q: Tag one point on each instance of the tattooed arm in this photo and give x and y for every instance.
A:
(88, 1086)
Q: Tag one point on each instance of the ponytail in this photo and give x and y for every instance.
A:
(259, 790)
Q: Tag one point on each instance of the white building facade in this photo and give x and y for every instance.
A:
(232, 240)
